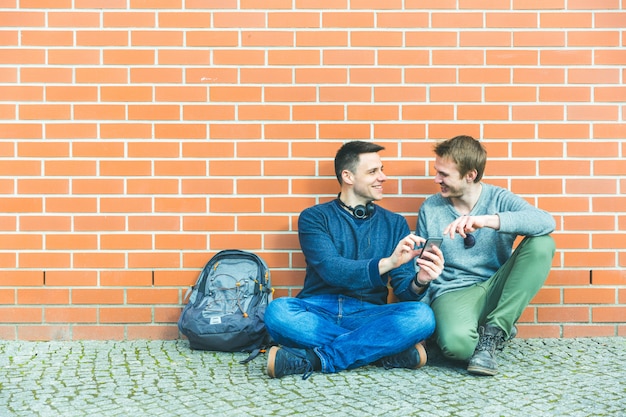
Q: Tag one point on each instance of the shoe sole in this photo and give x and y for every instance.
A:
(271, 361)
(482, 371)
(421, 350)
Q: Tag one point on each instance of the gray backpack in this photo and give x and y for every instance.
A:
(227, 305)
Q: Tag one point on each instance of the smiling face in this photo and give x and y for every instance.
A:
(367, 178)
(451, 183)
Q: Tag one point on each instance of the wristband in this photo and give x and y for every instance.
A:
(418, 284)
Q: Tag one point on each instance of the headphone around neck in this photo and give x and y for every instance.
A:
(359, 212)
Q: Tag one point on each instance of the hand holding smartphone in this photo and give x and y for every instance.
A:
(428, 246)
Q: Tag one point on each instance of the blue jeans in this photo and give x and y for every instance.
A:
(345, 332)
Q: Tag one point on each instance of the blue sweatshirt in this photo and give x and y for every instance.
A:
(342, 253)
(465, 267)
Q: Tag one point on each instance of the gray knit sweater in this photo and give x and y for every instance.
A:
(465, 267)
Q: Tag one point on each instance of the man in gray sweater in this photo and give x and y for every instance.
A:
(485, 285)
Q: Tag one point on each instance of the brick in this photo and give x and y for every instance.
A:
(248, 241)
(566, 20)
(609, 19)
(21, 241)
(152, 332)
(154, 223)
(262, 186)
(125, 315)
(290, 168)
(98, 223)
(9, 38)
(609, 314)
(539, 75)
(264, 112)
(611, 167)
(594, 330)
(482, 112)
(152, 296)
(539, 39)
(97, 332)
(38, 296)
(595, 259)
(125, 242)
(394, 19)
(44, 333)
(43, 186)
(298, 19)
(125, 278)
(129, 19)
(144, 38)
(326, 39)
(44, 260)
(580, 168)
(125, 168)
(71, 278)
(154, 260)
(74, 168)
(263, 149)
(347, 20)
(99, 260)
(565, 94)
(208, 112)
(208, 223)
(186, 57)
(158, 4)
(19, 93)
(609, 277)
(71, 205)
(564, 131)
(44, 112)
(589, 296)
(155, 75)
(180, 131)
(595, 149)
(22, 19)
(456, 20)
(572, 241)
(128, 57)
(151, 112)
(609, 131)
(181, 242)
(563, 314)
(180, 205)
(238, 20)
(152, 186)
(595, 112)
(544, 112)
(594, 39)
(211, 75)
(71, 315)
(592, 222)
(289, 131)
(180, 168)
(485, 39)
(22, 56)
(566, 57)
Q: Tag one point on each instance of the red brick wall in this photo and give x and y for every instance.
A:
(137, 138)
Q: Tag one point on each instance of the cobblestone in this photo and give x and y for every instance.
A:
(538, 377)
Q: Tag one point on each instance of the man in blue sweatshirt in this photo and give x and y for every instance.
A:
(485, 285)
(354, 249)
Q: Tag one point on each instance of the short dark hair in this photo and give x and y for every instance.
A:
(466, 152)
(347, 156)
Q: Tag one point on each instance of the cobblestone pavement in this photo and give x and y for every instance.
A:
(538, 377)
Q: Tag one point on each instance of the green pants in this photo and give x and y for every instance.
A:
(500, 300)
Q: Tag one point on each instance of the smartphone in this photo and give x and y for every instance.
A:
(428, 246)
